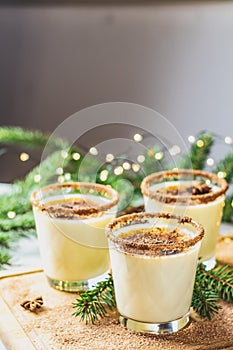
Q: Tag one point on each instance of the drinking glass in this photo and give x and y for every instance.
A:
(154, 259)
(70, 222)
(194, 193)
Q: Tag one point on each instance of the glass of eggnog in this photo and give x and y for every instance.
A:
(194, 193)
(154, 259)
(70, 222)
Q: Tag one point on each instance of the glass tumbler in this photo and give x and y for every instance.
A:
(194, 193)
(70, 222)
(154, 259)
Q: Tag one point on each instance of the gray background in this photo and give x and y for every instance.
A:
(176, 58)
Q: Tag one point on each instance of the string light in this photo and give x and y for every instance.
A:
(59, 171)
(228, 140)
(126, 165)
(76, 156)
(24, 156)
(60, 179)
(135, 167)
(104, 175)
(141, 158)
(191, 139)
(64, 154)
(138, 137)
(210, 161)
(109, 157)
(67, 176)
(11, 214)
(200, 143)
(208, 182)
(158, 155)
(232, 204)
(118, 170)
(221, 174)
(37, 178)
(93, 151)
(174, 150)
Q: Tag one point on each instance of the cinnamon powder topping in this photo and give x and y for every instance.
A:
(196, 189)
(78, 205)
(155, 236)
(155, 240)
(68, 208)
(199, 192)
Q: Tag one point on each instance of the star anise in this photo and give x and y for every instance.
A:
(33, 305)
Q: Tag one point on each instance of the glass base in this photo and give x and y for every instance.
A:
(155, 328)
(210, 263)
(76, 286)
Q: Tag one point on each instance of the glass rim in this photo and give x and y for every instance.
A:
(171, 198)
(91, 210)
(156, 249)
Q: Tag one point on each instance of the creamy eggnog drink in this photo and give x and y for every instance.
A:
(154, 260)
(70, 222)
(194, 193)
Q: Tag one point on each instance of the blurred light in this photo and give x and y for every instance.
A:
(103, 175)
(37, 178)
(208, 182)
(200, 143)
(159, 155)
(76, 156)
(118, 170)
(67, 176)
(93, 151)
(137, 137)
(60, 179)
(24, 156)
(228, 140)
(109, 157)
(232, 204)
(11, 214)
(135, 167)
(126, 165)
(141, 158)
(210, 161)
(191, 139)
(59, 171)
(174, 150)
(221, 174)
(64, 154)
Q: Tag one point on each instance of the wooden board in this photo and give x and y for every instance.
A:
(55, 328)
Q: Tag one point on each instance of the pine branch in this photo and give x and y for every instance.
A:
(4, 258)
(205, 298)
(210, 286)
(204, 301)
(93, 304)
(5, 240)
(228, 210)
(150, 164)
(29, 138)
(198, 152)
(21, 221)
(18, 200)
(226, 165)
(221, 280)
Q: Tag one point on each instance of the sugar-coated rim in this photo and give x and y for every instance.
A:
(169, 198)
(150, 248)
(101, 189)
